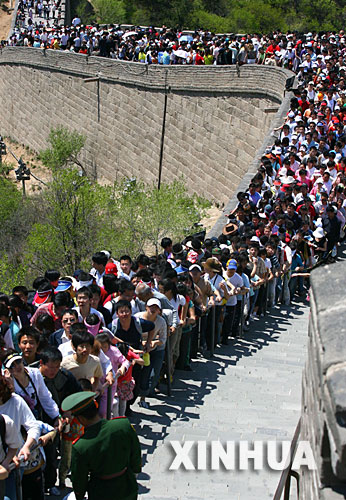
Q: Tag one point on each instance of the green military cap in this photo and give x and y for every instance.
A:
(216, 251)
(78, 402)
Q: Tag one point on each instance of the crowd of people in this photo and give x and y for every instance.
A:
(124, 328)
(39, 24)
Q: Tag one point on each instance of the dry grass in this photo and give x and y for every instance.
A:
(5, 19)
(30, 158)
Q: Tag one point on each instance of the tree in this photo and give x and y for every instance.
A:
(16, 216)
(140, 215)
(110, 11)
(84, 10)
(12, 273)
(171, 211)
(82, 216)
(223, 16)
(66, 238)
(10, 199)
(64, 150)
(256, 16)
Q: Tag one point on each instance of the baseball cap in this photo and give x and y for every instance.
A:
(195, 266)
(111, 268)
(232, 264)
(154, 302)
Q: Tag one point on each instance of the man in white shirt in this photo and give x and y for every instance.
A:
(126, 292)
(76, 21)
(83, 296)
(99, 262)
(124, 267)
(291, 121)
(327, 182)
(234, 283)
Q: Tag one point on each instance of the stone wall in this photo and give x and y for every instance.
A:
(324, 386)
(216, 119)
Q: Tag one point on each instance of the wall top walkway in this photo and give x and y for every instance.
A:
(260, 81)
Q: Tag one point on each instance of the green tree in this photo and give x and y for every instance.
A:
(256, 16)
(65, 239)
(171, 211)
(65, 146)
(85, 11)
(140, 215)
(110, 11)
(213, 22)
(12, 273)
(226, 15)
(10, 197)
(82, 216)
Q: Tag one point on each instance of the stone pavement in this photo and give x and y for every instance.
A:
(49, 19)
(251, 390)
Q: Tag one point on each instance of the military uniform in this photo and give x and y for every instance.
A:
(106, 458)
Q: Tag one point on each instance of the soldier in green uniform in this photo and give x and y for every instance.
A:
(107, 457)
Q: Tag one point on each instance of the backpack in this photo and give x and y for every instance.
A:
(3, 330)
(3, 433)
(113, 307)
(114, 303)
(138, 325)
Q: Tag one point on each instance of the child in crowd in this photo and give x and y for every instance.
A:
(119, 364)
(82, 364)
(126, 382)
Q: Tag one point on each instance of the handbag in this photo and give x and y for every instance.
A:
(35, 407)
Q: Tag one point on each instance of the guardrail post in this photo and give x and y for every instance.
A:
(109, 402)
(168, 365)
(242, 316)
(213, 327)
(18, 480)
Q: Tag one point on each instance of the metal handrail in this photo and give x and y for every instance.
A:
(284, 485)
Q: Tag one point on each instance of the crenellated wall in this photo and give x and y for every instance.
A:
(216, 120)
(324, 386)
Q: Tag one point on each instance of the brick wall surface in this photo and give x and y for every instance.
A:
(324, 388)
(216, 120)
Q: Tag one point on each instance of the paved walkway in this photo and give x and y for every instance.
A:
(250, 391)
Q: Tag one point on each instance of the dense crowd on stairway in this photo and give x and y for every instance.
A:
(134, 323)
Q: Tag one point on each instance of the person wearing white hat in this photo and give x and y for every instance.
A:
(319, 245)
(318, 233)
(311, 91)
(151, 372)
(291, 121)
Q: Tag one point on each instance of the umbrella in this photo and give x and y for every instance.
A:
(186, 38)
(180, 53)
(130, 33)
